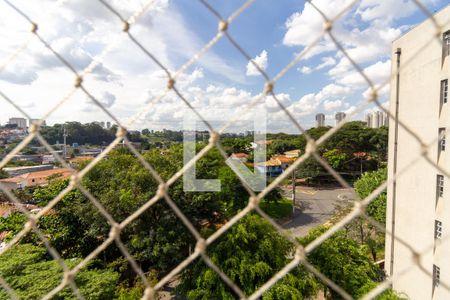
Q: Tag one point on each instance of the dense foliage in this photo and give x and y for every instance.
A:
(90, 133)
(352, 149)
(32, 274)
(250, 254)
(368, 183)
(346, 263)
(157, 239)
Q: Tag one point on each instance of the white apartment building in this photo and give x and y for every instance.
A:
(418, 204)
(377, 119)
(20, 122)
(340, 116)
(368, 119)
(320, 120)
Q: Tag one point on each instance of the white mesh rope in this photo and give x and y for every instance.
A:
(300, 256)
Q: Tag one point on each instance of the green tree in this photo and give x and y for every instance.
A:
(122, 185)
(32, 274)
(346, 263)
(236, 145)
(90, 133)
(310, 168)
(335, 158)
(12, 224)
(281, 146)
(368, 183)
(3, 174)
(250, 254)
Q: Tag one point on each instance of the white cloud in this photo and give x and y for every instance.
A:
(352, 109)
(306, 105)
(306, 70)
(377, 73)
(107, 99)
(331, 105)
(366, 32)
(384, 91)
(18, 74)
(326, 62)
(261, 60)
(305, 27)
(333, 90)
(388, 9)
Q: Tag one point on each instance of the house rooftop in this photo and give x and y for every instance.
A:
(39, 174)
(9, 169)
(240, 154)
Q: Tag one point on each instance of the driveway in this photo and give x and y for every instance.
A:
(315, 206)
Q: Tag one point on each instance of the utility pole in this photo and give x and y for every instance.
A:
(293, 192)
(65, 145)
(394, 169)
(361, 160)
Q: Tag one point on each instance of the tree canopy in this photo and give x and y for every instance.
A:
(90, 133)
(32, 274)
(250, 254)
(368, 183)
(347, 264)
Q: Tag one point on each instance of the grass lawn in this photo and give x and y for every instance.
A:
(278, 210)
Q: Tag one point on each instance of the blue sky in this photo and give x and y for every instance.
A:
(270, 31)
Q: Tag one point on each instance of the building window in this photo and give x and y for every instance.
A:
(444, 91)
(440, 185)
(446, 44)
(437, 229)
(436, 275)
(442, 139)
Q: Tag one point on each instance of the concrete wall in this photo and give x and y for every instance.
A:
(412, 202)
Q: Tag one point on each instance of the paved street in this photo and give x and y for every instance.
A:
(315, 206)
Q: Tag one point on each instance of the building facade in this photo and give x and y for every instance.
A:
(368, 119)
(418, 202)
(20, 122)
(377, 119)
(340, 116)
(320, 120)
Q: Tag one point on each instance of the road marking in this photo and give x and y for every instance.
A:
(345, 196)
(308, 192)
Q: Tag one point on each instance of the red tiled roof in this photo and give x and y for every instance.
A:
(264, 142)
(295, 151)
(64, 172)
(240, 154)
(16, 179)
(282, 158)
(270, 163)
(81, 158)
(360, 154)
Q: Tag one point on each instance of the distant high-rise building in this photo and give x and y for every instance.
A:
(369, 120)
(320, 120)
(108, 125)
(376, 119)
(20, 122)
(340, 116)
(102, 123)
